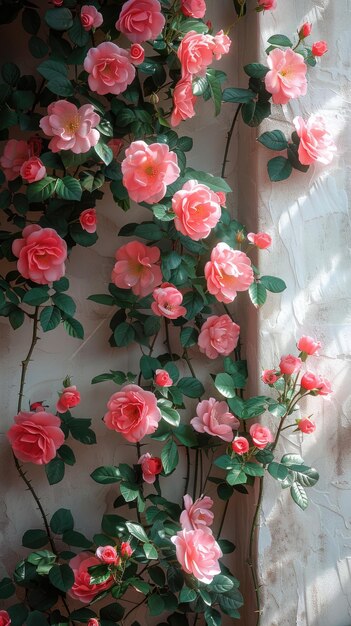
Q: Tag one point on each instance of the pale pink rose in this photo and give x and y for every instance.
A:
(316, 143)
(126, 549)
(240, 445)
(269, 377)
(133, 412)
(183, 101)
(195, 53)
(141, 20)
(35, 437)
(151, 466)
(309, 381)
(219, 336)
(324, 386)
(93, 622)
(148, 169)
(82, 589)
(286, 78)
(222, 45)
(193, 8)
(41, 254)
(268, 5)
(69, 397)
(305, 30)
(5, 619)
(319, 48)
(261, 436)
(167, 302)
(214, 418)
(88, 220)
(260, 240)
(197, 210)
(290, 364)
(71, 128)
(90, 17)
(228, 272)
(309, 345)
(137, 54)
(33, 170)
(109, 69)
(14, 155)
(198, 553)
(137, 268)
(35, 145)
(306, 425)
(163, 379)
(196, 515)
(222, 198)
(108, 555)
(116, 146)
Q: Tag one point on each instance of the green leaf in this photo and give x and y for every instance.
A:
(31, 21)
(55, 471)
(280, 40)
(169, 457)
(10, 73)
(36, 538)
(82, 615)
(185, 143)
(65, 303)
(148, 366)
(225, 385)
(77, 34)
(36, 619)
(221, 584)
(232, 94)
(61, 521)
(59, 18)
(18, 614)
(258, 294)
(192, 24)
(256, 70)
(213, 182)
(36, 296)
(68, 188)
(156, 604)
(16, 318)
(213, 617)
(150, 551)
(41, 190)
(299, 496)
(273, 284)
(191, 387)
(279, 168)
(62, 577)
(304, 475)
(188, 336)
(7, 588)
(187, 595)
(37, 47)
(274, 140)
(226, 546)
(236, 476)
(293, 156)
(51, 69)
(102, 298)
(215, 91)
(113, 611)
(253, 469)
(67, 455)
(124, 334)
(106, 475)
(73, 328)
(278, 471)
(104, 152)
(113, 525)
(186, 435)
(137, 531)
(81, 432)
(129, 491)
(170, 415)
(50, 318)
(73, 538)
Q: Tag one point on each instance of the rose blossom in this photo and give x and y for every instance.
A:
(309, 381)
(69, 397)
(82, 589)
(319, 48)
(108, 555)
(41, 254)
(71, 128)
(197, 210)
(305, 30)
(219, 336)
(87, 220)
(306, 425)
(193, 8)
(269, 377)
(151, 466)
(93, 622)
(126, 549)
(90, 17)
(221, 45)
(195, 53)
(309, 345)
(261, 436)
(198, 553)
(316, 143)
(196, 515)
(137, 54)
(5, 619)
(167, 302)
(35, 437)
(33, 170)
(260, 240)
(137, 268)
(268, 5)
(163, 379)
(109, 69)
(37, 406)
(14, 155)
(116, 146)
(290, 364)
(141, 20)
(148, 169)
(133, 412)
(214, 418)
(183, 101)
(228, 272)
(222, 198)
(286, 78)
(240, 445)
(324, 386)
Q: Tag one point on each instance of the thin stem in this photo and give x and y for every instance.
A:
(223, 519)
(168, 339)
(25, 362)
(188, 362)
(201, 473)
(138, 449)
(187, 478)
(250, 559)
(134, 608)
(229, 138)
(196, 473)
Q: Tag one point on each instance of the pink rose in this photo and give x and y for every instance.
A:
(319, 48)
(41, 254)
(35, 145)
(137, 54)
(183, 101)
(240, 445)
(286, 78)
(163, 379)
(228, 272)
(197, 210)
(133, 412)
(167, 302)
(290, 364)
(108, 555)
(109, 69)
(71, 128)
(305, 30)
(148, 169)
(57, 3)
(69, 397)
(219, 336)
(214, 418)
(87, 220)
(267, 5)
(33, 170)
(221, 45)
(269, 377)
(324, 387)
(309, 381)
(5, 619)
(82, 589)
(15, 154)
(222, 198)
(93, 622)
(141, 20)
(35, 437)
(308, 345)
(151, 466)
(90, 17)
(193, 8)
(137, 268)
(306, 425)
(316, 143)
(116, 146)
(195, 53)
(37, 406)
(198, 553)
(261, 436)
(196, 515)
(260, 240)
(126, 549)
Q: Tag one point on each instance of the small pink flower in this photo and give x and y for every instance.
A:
(197, 210)
(82, 589)
(221, 45)
(33, 170)
(90, 17)
(140, 20)
(109, 69)
(69, 397)
(324, 386)
(108, 555)
(167, 302)
(228, 272)
(35, 145)
(195, 53)
(219, 336)
(309, 381)
(286, 78)
(137, 54)
(268, 5)
(137, 268)
(151, 466)
(14, 155)
(306, 425)
(163, 379)
(93, 622)
(116, 146)
(269, 377)
(148, 169)
(316, 143)
(196, 514)
(290, 364)
(260, 240)
(193, 8)
(222, 198)
(126, 549)
(183, 101)
(133, 412)
(261, 436)
(309, 345)
(198, 553)
(319, 48)
(88, 220)
(41, 254)
(305, 30)
(71, 128)
(35, 437)
(37, 406)
(5, 619)
(240, 445)
(214, 418)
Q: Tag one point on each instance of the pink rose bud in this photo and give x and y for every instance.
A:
(90, 17)
(126, 549)
(260, 240)
(306, 425)
(57, 3)
(193, 8)
(167, 302)
(33, 170)
(240, 237)
(240, 445)
(35, 145)
(5, 619)
(267, 5)
(305, 30)
(269, 377)
(290, 364)
(88, 220)
(319, 48)
(209, 25)
(308, 345)
(310, 381)
(93, 622)
(151, 466)
(37, 406)
(69, 397)
(222, 198)
(163, 379)
(137, 54)
(261, 436)
(324, 386)
(108, 555)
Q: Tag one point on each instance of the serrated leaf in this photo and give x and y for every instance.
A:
(50, 318)
(273, 284)
(278, 470)
(236, 476)
(299, 496)
(73, 328)
(274, 140)
(68, 188)
(55, 471)
(41, 190)
(258, 294)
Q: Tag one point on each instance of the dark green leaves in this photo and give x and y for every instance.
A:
(7, 588)
(36, 538)
(59, 18)
(50, 318)
(273, 284)
(232, 94)
(258, 294)
(191, 387)
(62, 577)
(279, 168)
(42, 190)
(274, 140)
(56, 73)
(256, 70)
(106, 475)
(280, 40)
(137, 531)
(61, 521)
(169, 457)
(68, 188)
(55, 471)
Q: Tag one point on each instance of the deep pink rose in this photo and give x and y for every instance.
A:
(305, 30)
(133, 412)
(240, 445)
(193, 8)
(137, 268)
(319, 48)
(88, 221)
(14, 155)
(35, 145)
(108, 555)
(109, 69)
(309, 381)
(290, 364)
(137, 54)
(221, 45)
(197, 210)
(219, 336)
(195, 53)
(151, 466)
(286, 78)
(35, 437)
(37, 406)
(316, 143)
(141, 20)
(324, 386)
(116, 146)
(198, 553)
(268, 5)
(93, 622)
(5, 619)
(214, 418)
(163, 379)
(228, 272)
(82, 589)
(126, 549)
(269, 377)
(306, 425)
(71, 128)
(196, 514)
(90, 17)
(261, 436)
(183, 101)
(260, 240)
(33, 170)
(309, 345)
(167, 302)
(69, 397)
(41, 254)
